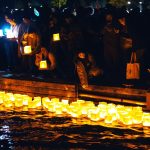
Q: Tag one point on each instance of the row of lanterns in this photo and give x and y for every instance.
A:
(108, 113)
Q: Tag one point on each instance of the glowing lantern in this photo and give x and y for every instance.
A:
(127, 120)
(103, 114)
(64, 101)
(137, 119)
(2, 95)
(58, 108)
(19, 102)
(36, 102)
(50, 107)
(43, 65)
(27, 50)
(93, 114)
(55, 100)
(56, 37)
(26, 99)
(45, 102)
(8, 103)
(109, 119)
(1, 99)
(146, 119)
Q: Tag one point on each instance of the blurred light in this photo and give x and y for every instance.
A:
(16, 9)
(9, 33)
(127, 11)
(74, 12)
(36, 12)
(1, 33)
(128, 2)
(41, 6)
(140, 2)
(6, 6)
(93, 11)
(64, 10)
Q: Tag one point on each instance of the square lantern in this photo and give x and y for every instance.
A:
(56, 37)
(43, 65)
(27, 50)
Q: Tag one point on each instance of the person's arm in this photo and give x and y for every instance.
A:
(52, 60)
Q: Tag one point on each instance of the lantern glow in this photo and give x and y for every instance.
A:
(56, 37)
(81, 110)
(43, 65)
(27, 50)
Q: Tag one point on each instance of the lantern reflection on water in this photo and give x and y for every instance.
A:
(80, 109)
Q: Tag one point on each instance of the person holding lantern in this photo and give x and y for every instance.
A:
(45, 61)
(87, 70)
(28, 44)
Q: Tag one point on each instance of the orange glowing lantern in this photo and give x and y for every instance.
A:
(2, 95)
(109, 119)
(137, 119)
(43, 65)
(55, 100)
(93, 114)
(146, 119)
(8, 103)
(36, 102)
(19, 102)
(56, 37)
(27, 50)
(127, 120)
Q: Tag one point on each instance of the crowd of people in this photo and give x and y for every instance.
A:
(92, 47)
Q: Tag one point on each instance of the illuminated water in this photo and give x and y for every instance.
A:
(44, 131)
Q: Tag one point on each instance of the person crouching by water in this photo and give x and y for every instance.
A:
(45, 62)
(87, 70)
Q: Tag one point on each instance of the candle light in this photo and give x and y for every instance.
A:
(43, 65)
(27, 50)
(56, 37)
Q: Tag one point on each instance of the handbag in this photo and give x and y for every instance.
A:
(133, 68)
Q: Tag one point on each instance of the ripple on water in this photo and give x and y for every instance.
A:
(40, 130)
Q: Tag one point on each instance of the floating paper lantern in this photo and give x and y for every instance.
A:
(146, 119)
(137, 119)
(56, 37)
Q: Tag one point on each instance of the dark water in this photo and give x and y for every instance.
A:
(43, 131)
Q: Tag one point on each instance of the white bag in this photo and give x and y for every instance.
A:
(133, 68)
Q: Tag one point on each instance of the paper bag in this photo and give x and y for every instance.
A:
(133, 68)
